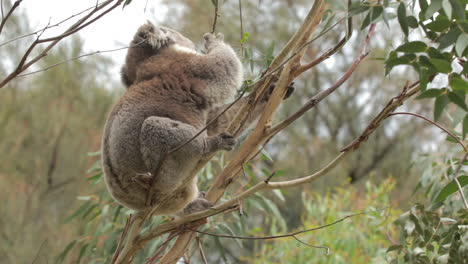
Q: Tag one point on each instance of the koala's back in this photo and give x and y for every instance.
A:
(171, 95)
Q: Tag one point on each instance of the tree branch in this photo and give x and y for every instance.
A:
(4, 20)
(455, 175)
(435, 124)
(80, 24)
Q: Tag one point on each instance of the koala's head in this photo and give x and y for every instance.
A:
(158, 37)
(148, 41)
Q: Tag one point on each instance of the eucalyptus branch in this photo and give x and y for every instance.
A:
(336, 48)
(202, 253)
(435, 124)
(320, 96)
(215, 19)
(4, 19)
(80, 24)
(455, 175)
(76, 58)
(293, 234)
(50, 26)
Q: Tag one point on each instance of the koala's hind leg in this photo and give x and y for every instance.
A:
(160, 135)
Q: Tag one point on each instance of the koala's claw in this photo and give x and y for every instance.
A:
(290, 90)
(227, 141)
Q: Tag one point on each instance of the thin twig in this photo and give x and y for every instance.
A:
(215, 19)
(336, 48)
(39, 251)
(4, 20)
(313, 246)
(312, 102)
(434, 123)
(455, 175)
(280, 236)
(122, 238)
(1, 8)
(77, 57)
(162, 247)
(241, 30)
(51, 26)
(202, 253)
(82, 23)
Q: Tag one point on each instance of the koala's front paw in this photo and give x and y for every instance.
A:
(211, 39)
(226, 141)
(197, 205)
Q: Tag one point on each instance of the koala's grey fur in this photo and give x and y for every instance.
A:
(173, 92)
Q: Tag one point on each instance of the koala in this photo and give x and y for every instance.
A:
(173, 91)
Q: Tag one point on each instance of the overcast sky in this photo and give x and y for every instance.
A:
(113, 30)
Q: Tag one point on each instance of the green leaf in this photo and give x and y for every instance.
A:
(94, 178)
(266, 156)
(465, 126)
(393, 61)
(459, 84)
(366, 20)
(64, 253)
(440, 24)
(461, 44)
(442, 66)
(92, 154)
(412, 21)
(81, 254)
(401, 12)
(357, 8)
(376, 12)
(436, 54)
(423, 77)
(448, 38)
(447, 8)
(395, 247)
(439, 106)
(245, 38)
(78, 212)
(451, 188)
(456, 99)
(434, 6)
(459, 10)
(269, 53)
(414, 46)
(423, 5)
(430, 93)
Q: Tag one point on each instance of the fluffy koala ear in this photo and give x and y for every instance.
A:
(159, 38)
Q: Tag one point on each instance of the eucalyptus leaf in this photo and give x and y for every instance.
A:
(456, 99)
(401, 13)
(465, 126)
(439, 106)
(451, 188)
(434, 6)
(430, 93)
(442, 66)
(414, 46)
(461, 44)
